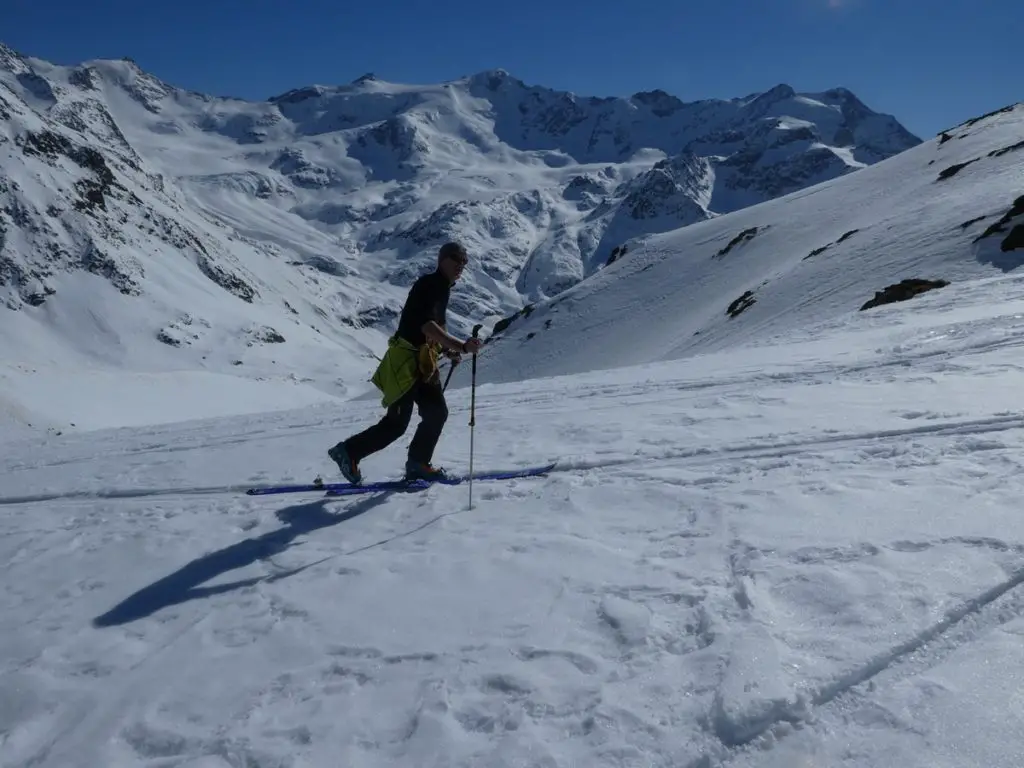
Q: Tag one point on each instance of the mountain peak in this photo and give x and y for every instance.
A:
(494, 79)
(840, 92)
(295, 95)
(499, 72)
(848, 100)
(660, 102)
(773, 95)
(10, 59)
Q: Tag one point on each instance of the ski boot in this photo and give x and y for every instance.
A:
(348, 467)
(417, 470)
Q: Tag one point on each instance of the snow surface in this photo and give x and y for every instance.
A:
(799, 545)
(790, 537)
(99, 398)
(812, 558)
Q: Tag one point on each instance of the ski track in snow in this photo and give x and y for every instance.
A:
(681, 458)
(852, 692)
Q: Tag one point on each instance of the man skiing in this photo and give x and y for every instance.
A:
(408, 375)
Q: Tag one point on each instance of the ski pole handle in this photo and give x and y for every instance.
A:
(472, 397)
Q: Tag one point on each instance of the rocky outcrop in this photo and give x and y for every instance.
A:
(902, 291)
(1008, 232)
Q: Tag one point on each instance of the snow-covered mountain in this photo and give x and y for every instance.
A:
(948, 210)
(783, 531)
(144, 227)
(800, 548)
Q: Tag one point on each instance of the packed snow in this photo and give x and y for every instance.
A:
(812, 556)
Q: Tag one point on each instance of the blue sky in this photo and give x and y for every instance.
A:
(931, 64)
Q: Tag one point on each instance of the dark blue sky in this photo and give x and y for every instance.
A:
(931, 64)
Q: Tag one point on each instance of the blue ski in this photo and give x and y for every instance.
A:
(419, 485)
(348, 489)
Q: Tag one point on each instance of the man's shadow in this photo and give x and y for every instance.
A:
(184, 584)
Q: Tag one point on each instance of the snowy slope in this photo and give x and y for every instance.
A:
(950, 209)
(807, 554)
(145, 228)
(793, 539)
(106, 268)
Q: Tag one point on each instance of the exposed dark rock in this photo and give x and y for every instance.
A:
(617, 252)
(229, 282)
(504, 323)
(1014, 240)
(822, 249)
(1016, 209)
(745, 301)
(167, 339)
(742, 237)
(37, 298)
(99, 263)
(373, 317)
(903, 290)
(993, 113)
(954, 169)
(972, 222)
(85, 78)
(1005, 150)
(264, 335)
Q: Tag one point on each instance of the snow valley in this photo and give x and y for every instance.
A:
(149, 229)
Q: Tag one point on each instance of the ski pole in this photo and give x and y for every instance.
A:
(451, 370)
(472, 417)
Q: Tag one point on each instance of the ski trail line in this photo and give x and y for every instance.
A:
(922, 651)
(695, 456)
(121, 493)
(899, 652)
(755, 450)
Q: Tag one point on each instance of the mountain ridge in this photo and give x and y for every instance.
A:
(205, 223)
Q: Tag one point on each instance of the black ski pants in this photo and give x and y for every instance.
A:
(428, 396)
